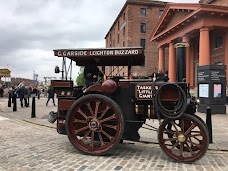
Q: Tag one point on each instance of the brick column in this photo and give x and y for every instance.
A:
(186, 40)
(172, 63)
(204, 47)
(161, 60)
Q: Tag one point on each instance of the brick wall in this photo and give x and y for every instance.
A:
(217, 54)
(215, 2)
(15, 81)
(177, 17)
(221, 2)
(133, 34)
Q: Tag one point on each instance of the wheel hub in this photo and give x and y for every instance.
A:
(94, 125)
(181, 138)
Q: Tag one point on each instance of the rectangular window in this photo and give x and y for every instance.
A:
(118, 39)
(160, 13)
(143, 12)
(143, 43)
(124, 31)
(124, 16)
(218, 42)
(197, 48)
(123, 44)
(110, 39)
(118, 25)
(219, 63)
(143, 27)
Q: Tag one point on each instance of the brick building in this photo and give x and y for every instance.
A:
(15, 81)
(203, 26)
(215, 2)
(132, 27)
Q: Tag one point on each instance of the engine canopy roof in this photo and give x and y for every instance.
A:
(123, 56)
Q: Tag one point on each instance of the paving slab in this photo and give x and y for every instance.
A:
(219, 122)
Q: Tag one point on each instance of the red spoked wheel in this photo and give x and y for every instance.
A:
(171, 133)
(94, 124)
(185, 139)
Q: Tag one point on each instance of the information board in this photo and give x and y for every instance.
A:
(217, 90)
(204, 90)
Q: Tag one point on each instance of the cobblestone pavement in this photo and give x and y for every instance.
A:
(26, 146)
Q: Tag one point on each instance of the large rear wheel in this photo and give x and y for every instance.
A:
(185, 139)
(94, 124)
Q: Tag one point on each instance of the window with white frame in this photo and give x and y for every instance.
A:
(143, 27)
(143, 12)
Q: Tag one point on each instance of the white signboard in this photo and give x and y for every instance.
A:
(204, 90)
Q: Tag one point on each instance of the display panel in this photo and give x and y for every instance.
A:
(217, 90)
(203, 90)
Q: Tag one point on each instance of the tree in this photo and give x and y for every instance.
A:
(80, 80)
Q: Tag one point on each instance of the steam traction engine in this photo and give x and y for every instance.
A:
(96, 119)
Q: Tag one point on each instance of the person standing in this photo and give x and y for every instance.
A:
(1, 91)
(29, 91)
(91, 73)
(38, 93)
(34, 91)
(22, 93)
(51, 95)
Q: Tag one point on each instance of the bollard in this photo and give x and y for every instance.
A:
(14, 102)
(209, 124)
(33, 114)
(9, 100)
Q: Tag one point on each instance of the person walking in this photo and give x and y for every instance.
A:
(51, 95)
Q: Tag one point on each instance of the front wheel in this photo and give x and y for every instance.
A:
(185, 139)
(94, 124)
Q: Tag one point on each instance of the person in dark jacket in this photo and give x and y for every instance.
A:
(51, 95)
(22, 93)
(1, 91)
(29, 91)
(34, 91)
(91, 73)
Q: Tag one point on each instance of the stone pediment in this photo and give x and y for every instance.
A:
(173, 13)
(177, 16)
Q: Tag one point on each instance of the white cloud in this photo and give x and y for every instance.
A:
(30, 30)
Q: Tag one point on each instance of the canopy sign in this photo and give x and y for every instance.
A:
(121, 56)
(5, 72)
(100, 52)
